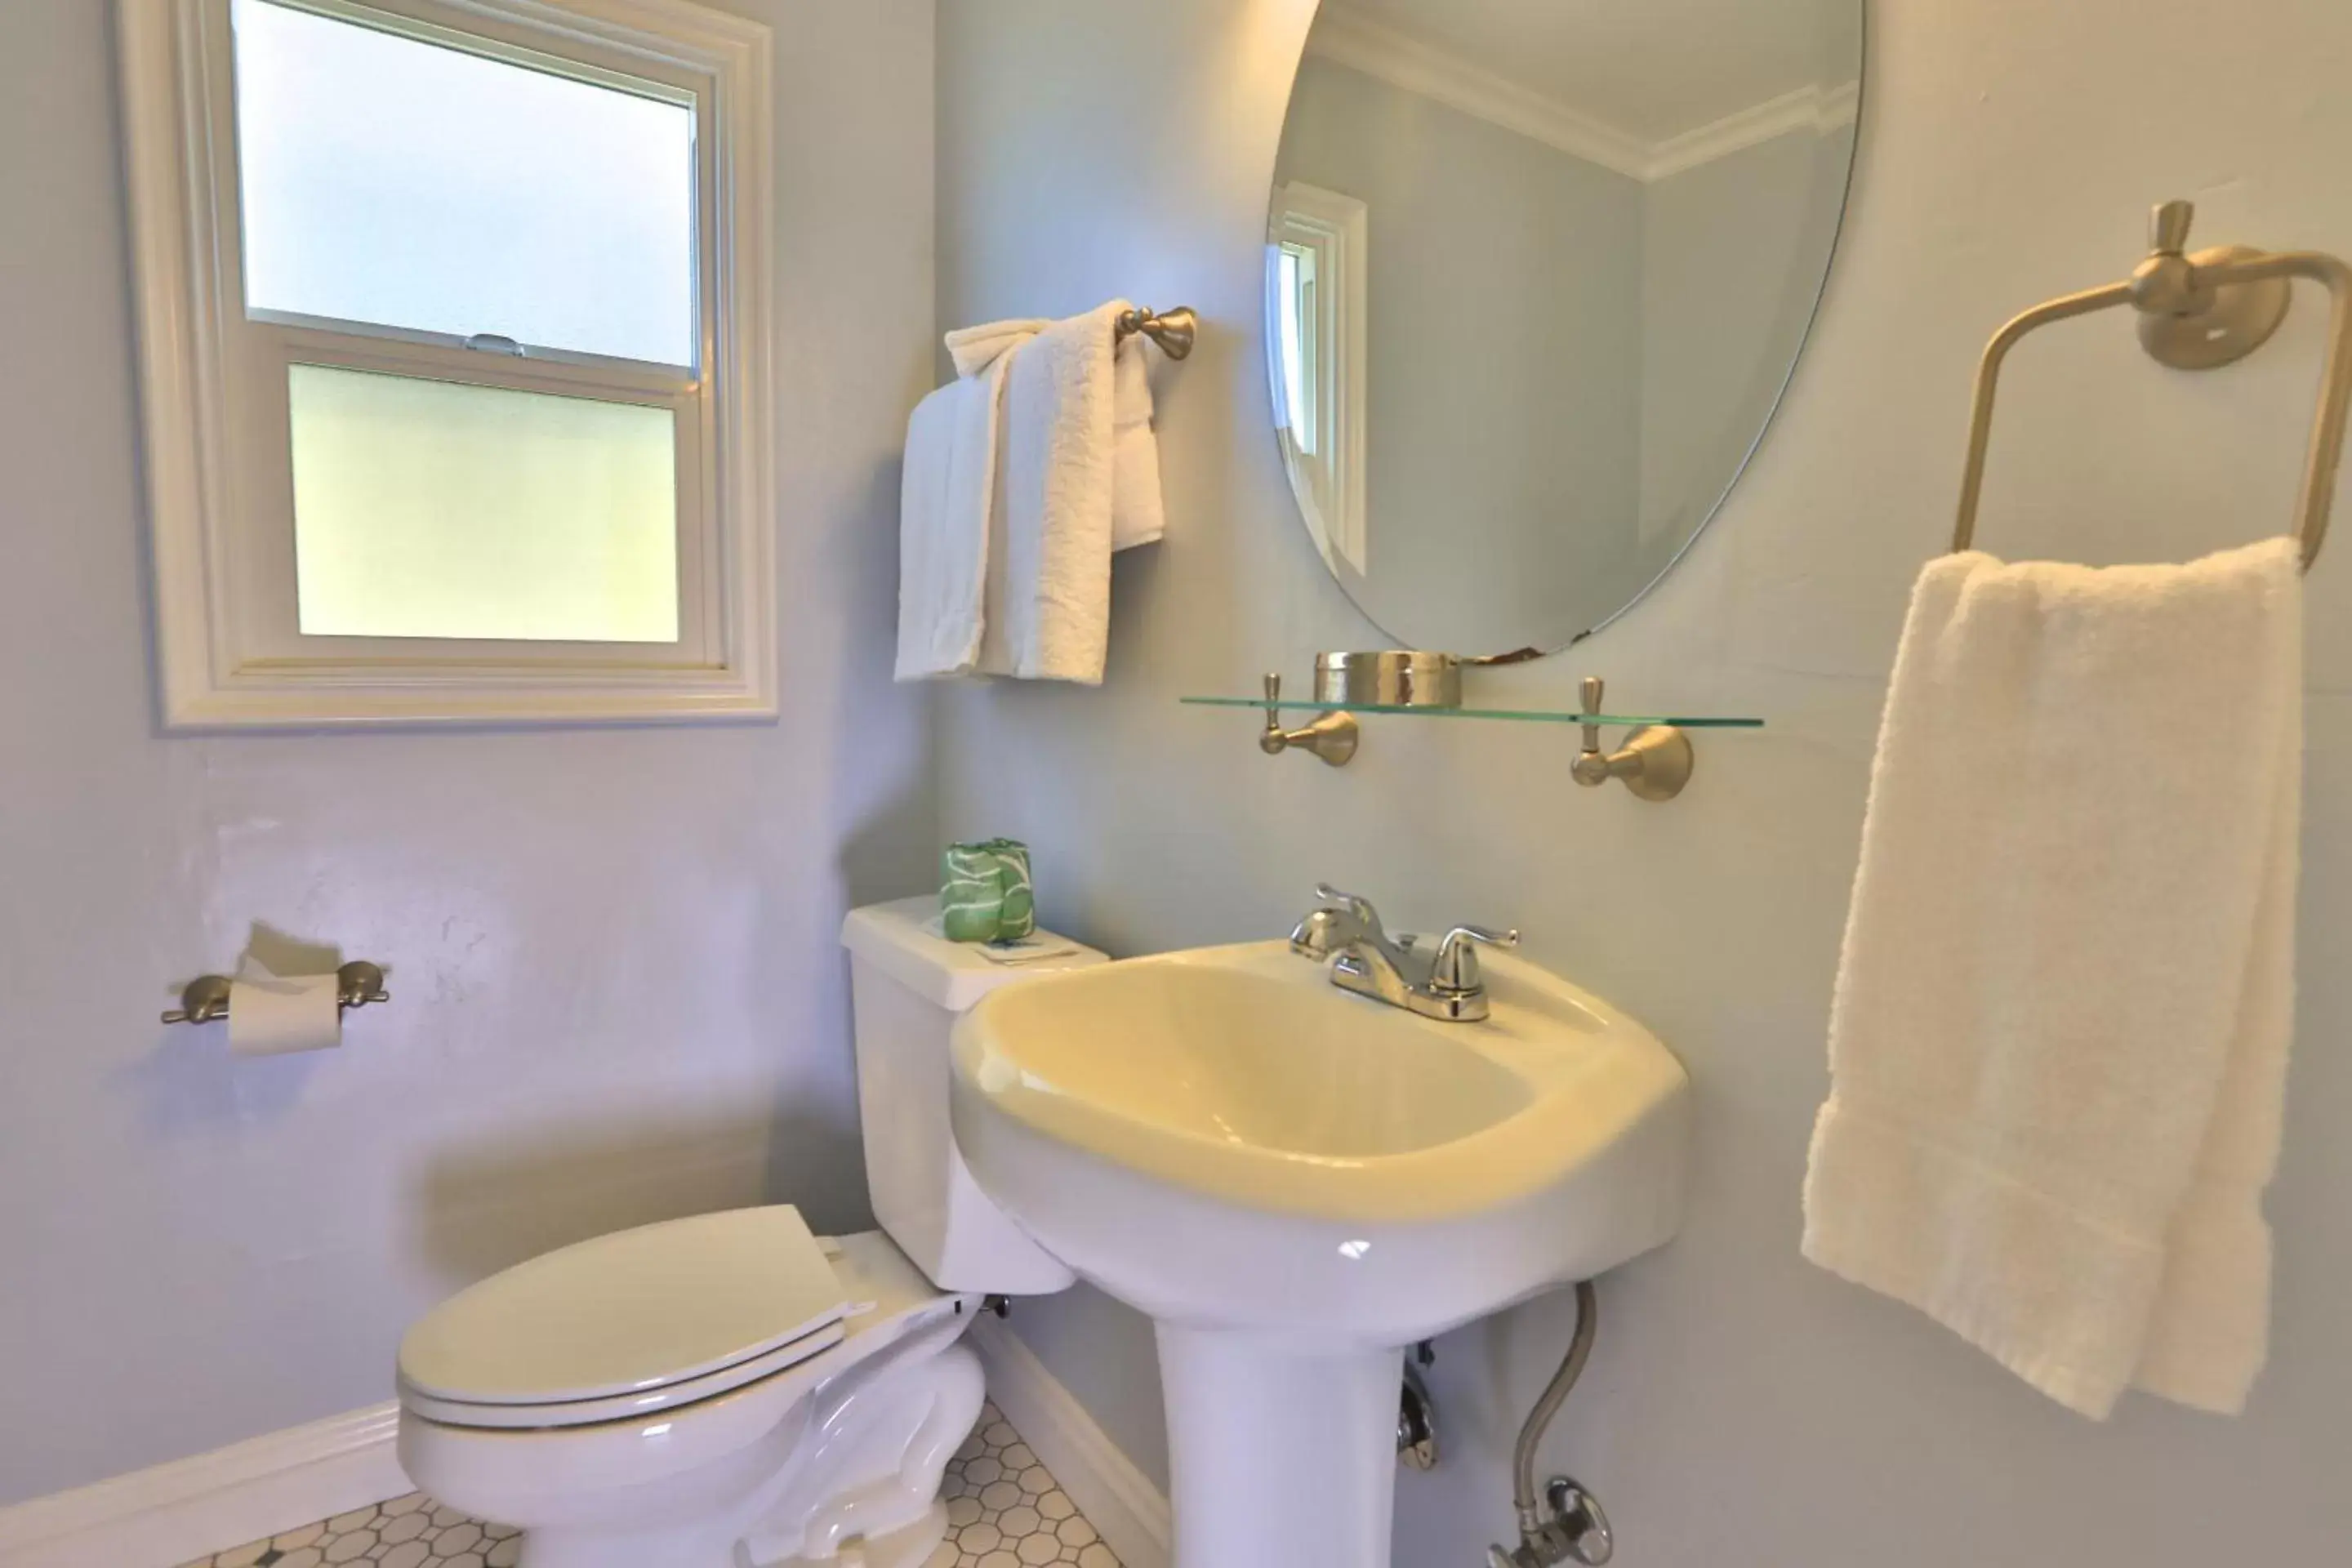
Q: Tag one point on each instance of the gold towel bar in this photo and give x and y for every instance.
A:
(2199, 311)
(1175, 331)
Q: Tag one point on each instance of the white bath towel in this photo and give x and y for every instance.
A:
(975, 349)
(1049, 609)
(2059, 1043)
(1023, 556)
(1139, 516)
(946, 496)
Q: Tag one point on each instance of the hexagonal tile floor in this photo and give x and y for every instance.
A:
(409, 1531)
(1003, 1511)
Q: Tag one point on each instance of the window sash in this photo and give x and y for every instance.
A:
(258, 346)
(475, 31)
(265, 585)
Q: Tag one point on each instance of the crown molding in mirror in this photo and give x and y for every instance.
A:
(1396, 57)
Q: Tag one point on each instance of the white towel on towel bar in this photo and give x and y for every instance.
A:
(946, 497)
(975, 349)
(1049, 606)
(1023, 478)
(1139, 516)
(2059, 1042)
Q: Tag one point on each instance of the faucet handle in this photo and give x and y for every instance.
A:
(1456, 967)
(1355, 904)
(2167, 228)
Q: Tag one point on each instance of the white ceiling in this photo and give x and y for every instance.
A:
(1651, 68)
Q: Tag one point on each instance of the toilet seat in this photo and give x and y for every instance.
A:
(621, 1406)
(628, 1323)
(854, 1435)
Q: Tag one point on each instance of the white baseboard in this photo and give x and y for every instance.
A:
(1118, 1501)
(173, 1513)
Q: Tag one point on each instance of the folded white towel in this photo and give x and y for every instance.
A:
(946, 496)
(1004, 563)
(1049, 608)
(975, 349)
(2059, 1043)
(1139, 516)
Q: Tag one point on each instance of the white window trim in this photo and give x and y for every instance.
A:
(1329, 484)
(222, 658)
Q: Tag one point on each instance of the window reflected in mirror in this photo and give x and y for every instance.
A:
(1317, 279)
(1537, 276)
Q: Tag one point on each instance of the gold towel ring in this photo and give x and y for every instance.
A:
(2198, 312)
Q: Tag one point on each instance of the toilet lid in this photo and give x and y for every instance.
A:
(635, 1311)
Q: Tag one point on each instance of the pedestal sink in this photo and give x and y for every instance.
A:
(1296, 1184)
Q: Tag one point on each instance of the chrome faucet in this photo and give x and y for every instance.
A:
(1439, 979)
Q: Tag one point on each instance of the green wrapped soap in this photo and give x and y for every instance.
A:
(984, 891)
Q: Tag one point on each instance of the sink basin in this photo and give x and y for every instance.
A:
(1223, 1073)
(1295, 1183)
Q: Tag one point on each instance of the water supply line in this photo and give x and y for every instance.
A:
(1555, 1394)
(1563, 1523)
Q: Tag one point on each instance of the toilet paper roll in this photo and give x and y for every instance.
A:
(270, 1015)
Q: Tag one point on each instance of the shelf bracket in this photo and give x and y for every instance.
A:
(1333, 737)
(1656, 761)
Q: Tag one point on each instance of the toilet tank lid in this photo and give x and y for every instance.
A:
(902, 938)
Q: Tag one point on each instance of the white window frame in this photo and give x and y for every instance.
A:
(228, 651)
(1329, 482)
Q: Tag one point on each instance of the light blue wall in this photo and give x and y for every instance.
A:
(1742, 1405)
(618, 993)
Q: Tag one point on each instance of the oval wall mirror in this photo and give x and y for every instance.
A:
(1538, 272)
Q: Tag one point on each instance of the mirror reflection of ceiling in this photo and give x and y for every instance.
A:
(1643, 84)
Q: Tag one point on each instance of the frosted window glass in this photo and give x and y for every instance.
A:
(430, 509)
(407, 185)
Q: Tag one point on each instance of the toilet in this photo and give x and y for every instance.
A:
(729, 1390)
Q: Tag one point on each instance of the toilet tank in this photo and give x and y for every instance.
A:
(909, 985)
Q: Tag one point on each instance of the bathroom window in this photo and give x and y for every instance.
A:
(454, 321)
(1318, 279)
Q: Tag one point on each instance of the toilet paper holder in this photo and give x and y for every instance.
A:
(206, 999)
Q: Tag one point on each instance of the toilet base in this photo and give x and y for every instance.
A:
(870, 1479)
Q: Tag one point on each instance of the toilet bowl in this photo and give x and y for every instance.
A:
(836, 1434)
(729, 1390)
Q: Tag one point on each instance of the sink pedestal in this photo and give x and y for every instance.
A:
(1280, 1454)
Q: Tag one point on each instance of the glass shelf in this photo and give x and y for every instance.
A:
(1511, 715)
